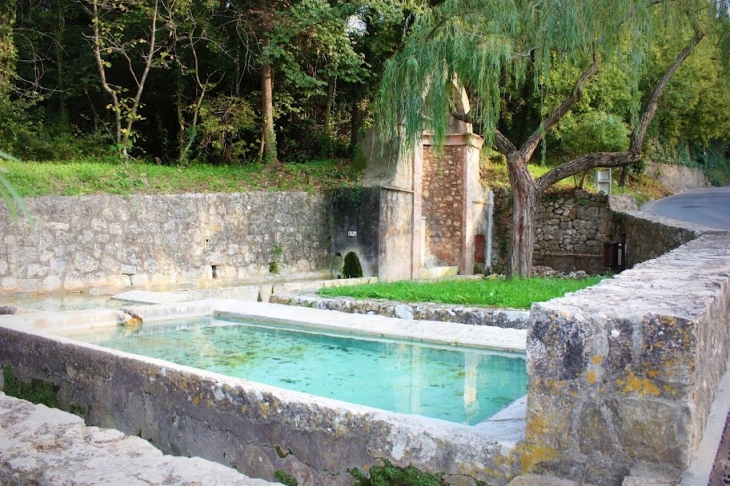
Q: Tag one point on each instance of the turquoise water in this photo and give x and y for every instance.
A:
(461, 385)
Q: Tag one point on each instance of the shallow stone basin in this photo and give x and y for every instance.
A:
(256, 428)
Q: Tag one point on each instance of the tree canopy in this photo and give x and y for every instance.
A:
(545, 54)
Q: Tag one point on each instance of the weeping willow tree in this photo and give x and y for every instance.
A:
(496, 48)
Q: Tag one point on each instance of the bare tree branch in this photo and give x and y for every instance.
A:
(637, 138)
(503, 144)
(529, 147)
(585, 162)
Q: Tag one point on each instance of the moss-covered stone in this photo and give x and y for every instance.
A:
(35, 391)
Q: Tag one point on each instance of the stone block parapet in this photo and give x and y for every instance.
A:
(479, 316)
(625, 372)
(650, 236)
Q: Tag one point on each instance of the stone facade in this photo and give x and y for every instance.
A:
(195, 239)
(453, 202)
(625, 372)
(570, 232)
(443, 206)
(432, 202)
(356, 228)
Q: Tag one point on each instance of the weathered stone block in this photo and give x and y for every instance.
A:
(625, 371)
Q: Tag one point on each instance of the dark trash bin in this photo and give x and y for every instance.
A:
(610, 254)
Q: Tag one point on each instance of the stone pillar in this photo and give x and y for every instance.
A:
(418, 235)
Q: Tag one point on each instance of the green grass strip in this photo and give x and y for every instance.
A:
(489, 292)
(87, 177)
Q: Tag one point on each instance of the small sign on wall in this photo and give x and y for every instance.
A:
(352, 233)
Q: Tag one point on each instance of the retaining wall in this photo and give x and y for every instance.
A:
(570, 230)
(649, 236)
(572, 227)
(117, 241)
(677, 177)
(625, 372)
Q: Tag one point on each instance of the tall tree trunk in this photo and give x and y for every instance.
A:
(526, 197)
(7, 45)
(268, 137)
(624, 176)
(62, 95)
(180, 113)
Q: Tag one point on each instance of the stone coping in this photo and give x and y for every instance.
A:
(45, 446)
(478, 316)
(256, 292)
(445, 333)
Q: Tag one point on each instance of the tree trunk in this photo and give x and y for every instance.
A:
(268, 140)
(624, 176)
(179, 111)
(526, 197)
(267, 153)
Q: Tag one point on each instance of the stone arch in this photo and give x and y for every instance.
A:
(352, 267)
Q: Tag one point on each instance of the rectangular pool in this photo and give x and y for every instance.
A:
(458, 384)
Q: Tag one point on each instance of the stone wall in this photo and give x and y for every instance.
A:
(443, 206)
(102, 241)
(649, 236)
(625, 372)
(677, 177)
(570, 232)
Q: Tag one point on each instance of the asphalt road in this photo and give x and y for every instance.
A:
(708, 207)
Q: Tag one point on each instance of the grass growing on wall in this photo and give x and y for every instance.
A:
(88, 177)
(491, 292)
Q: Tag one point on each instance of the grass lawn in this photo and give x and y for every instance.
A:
(490, 292)
(86, 177)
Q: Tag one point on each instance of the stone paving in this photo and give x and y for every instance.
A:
(45, 446)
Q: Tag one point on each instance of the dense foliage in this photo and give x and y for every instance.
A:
(588, 77)
(180, 81)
